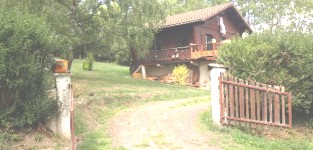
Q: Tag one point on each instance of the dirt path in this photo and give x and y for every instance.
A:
(161, 125)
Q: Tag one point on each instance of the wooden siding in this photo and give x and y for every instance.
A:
(167, 37)
(211, 27)
(196, 36)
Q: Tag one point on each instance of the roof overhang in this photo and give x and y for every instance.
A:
(202, 15)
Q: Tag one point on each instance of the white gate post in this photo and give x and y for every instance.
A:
(215, 94)
(61, 123)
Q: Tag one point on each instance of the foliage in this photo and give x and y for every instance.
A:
(6, 138)
(134, 23)
(77, 91)
(181, 6)
(288, 14)
(25, 46)
(180, 73)
(90, 59)
(279, 58)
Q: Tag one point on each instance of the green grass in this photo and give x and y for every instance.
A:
(194, 101)
(241, 138)
(109, 89)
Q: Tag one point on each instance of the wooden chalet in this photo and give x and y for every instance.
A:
(193, 38)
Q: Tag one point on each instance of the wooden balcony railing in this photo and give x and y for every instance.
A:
(191, 52)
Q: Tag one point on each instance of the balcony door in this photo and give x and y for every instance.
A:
(208, 42)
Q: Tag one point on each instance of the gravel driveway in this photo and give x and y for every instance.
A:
(169, 125)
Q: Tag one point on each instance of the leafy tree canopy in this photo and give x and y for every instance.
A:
(293, 15)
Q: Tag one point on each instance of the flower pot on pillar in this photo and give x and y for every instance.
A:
(60, 66)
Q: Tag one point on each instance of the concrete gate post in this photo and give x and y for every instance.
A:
(215, 95)
(60, 124)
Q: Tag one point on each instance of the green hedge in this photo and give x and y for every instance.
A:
(25, 47)
(279, 58)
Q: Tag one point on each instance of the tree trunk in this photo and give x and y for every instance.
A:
(70, 57)
(70, 61)
(134, 64)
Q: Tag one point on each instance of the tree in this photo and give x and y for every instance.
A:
(72, 20)
(293, 15)
(75, 24)
(134, 24)
(180, 6)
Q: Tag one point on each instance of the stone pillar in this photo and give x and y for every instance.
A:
(60, 124)
(215, 94)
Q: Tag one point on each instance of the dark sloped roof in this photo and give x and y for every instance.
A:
(200, 15)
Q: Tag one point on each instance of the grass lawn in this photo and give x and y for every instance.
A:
(109, 89)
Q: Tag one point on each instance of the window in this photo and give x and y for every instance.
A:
(182, 41)
(157, 45)
(208, 43)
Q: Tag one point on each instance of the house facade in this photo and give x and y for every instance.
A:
(193, 39)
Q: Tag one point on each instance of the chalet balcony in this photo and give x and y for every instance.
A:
(183, 54)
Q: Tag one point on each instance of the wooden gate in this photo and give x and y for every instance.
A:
(254, 103)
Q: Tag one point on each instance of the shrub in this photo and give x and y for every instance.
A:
(180, 73)
(90, 60)
(25, 47)
(279, 58)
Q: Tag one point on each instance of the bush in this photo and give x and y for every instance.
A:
(90, 60)
(279, 58)
(25, 47)
(180, 73)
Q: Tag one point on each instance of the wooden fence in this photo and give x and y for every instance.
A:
(254, 103)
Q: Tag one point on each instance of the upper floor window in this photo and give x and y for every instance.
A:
(157, 45)
(208, 42)
(182, 41)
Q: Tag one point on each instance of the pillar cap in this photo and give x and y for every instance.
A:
(63, 74)
(217, 65)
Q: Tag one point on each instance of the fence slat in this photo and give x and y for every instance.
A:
(289, 110)
(226, 98)
(257, 95)
(264, 111)
(276, 107)
(270, 105)
(252, 102)
(241, 100)
(283, 106)
(247, 100)
(231, 98)
(236, 99)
